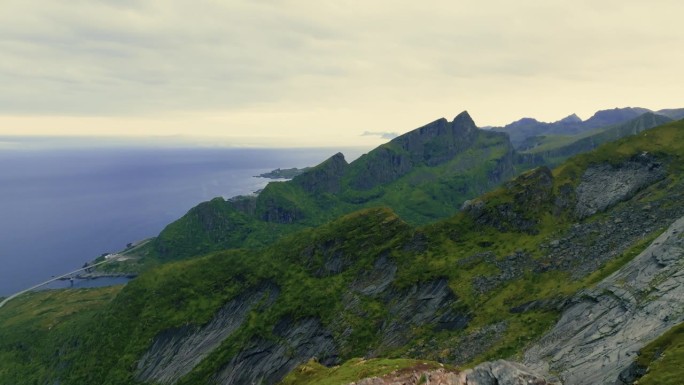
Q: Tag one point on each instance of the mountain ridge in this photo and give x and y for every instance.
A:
(400, 174)
(573, 125)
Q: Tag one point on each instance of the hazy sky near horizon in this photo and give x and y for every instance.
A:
(311, 73)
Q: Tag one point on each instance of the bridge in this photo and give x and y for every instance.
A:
(108, 259)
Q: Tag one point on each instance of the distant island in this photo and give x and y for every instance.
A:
(287, 173)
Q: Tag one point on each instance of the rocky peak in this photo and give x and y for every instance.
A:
(464, 121)
(439, 141)
(461, 125)
(430, 145)
(325, 177)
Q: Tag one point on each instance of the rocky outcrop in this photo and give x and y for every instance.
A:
(499, 372)
(268, 361)
(529, 192)
(604, 185)
(422, 304)
(503, 372)
(176, 352)
(430, 145)
(601, 331)
(376, 280)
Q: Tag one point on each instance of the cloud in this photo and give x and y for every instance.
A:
(382, 134)
(397, 64)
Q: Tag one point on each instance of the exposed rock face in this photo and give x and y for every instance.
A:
(176, 352)
(489, 373)
(378, 279)
(502, 372)
(604, 185)
(430, 145)
(423, 303)
(267, 362)
(599, 334)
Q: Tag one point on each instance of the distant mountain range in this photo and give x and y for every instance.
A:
(572, 125)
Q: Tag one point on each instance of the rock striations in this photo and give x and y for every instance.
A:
(600, 333)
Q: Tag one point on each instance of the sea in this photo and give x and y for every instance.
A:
(61, 207)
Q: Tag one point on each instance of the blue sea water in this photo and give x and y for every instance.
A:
(62, 207)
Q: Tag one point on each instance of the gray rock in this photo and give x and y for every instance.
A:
(176, 352)
(601, 331)
(503, 372)
(604, 185)
(424, 303)
(489, 373)
(475, 343)
(268, 361)
(378, 279)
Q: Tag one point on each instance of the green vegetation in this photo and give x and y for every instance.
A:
(313, 373)
(663, 358)
(35, 329)
(423, 176)
(98, 336)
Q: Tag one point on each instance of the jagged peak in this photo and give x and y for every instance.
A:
(337, 158)
(325, 176)
(464, 119)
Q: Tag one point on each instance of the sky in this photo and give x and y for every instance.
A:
(325, 73)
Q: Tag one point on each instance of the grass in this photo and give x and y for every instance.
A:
(313, 373)
(35, 330)
(663, 358)
(100, 335)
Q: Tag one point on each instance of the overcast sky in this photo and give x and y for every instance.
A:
(293, 73)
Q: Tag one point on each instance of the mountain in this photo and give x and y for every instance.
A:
(515, 273)
(555, 149)
(423, 175)
(675, 113)
(572, 125)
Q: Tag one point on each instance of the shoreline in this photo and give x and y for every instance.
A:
(96, 275)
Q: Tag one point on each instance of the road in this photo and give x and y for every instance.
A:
(15, 295)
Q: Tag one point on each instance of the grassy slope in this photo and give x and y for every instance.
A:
(35, 329)
(313, 373)
(664, 359)
(108, 346)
